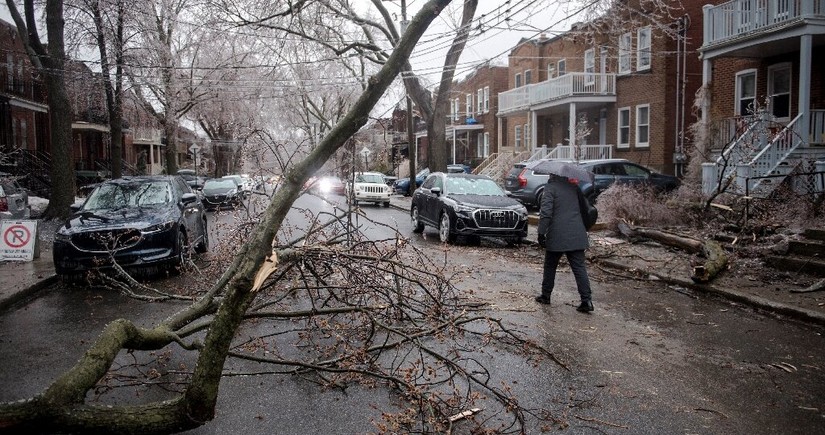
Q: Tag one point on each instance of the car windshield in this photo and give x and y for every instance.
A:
(121, 195)
(472, 186)
(221, 183)
(369, 178)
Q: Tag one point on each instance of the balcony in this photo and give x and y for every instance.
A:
(557, 90)
(738, 19)
(145, 135)
(25, 89)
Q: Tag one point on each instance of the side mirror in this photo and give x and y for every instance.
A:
(436, 191)
(188, 198)
(75, 207)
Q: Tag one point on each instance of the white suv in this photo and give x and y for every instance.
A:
(369, 187)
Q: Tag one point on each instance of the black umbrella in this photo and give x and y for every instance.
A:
(561, 168)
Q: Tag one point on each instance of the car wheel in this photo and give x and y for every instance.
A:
(444, 231)
(183, 253)
(539, 196)
(418, 226)
(203, 246)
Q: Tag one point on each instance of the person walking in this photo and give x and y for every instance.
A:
(562, 232)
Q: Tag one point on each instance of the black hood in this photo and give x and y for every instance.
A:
(131, 217)
(496, 201)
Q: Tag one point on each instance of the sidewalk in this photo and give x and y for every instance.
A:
(749, 283)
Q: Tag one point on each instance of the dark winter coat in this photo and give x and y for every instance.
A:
(560, 219)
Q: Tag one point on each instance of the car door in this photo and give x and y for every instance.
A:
(423, 199)
(634, 174)
(191, 212)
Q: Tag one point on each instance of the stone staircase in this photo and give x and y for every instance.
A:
(806, 255)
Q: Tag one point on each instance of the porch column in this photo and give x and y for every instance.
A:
(707, 77)
(454, 145)
(498, 135)
(534, 137)
(571, 124)
(151, 158)
(805, 43)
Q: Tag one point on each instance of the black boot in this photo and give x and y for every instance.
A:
(542, 299)
(585, 307)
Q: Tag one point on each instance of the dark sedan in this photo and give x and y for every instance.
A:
(461, 204)
(146, 221)
(221, 192)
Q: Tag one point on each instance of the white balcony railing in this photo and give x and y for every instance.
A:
(736, 18)
(566, 86)
(146, 135)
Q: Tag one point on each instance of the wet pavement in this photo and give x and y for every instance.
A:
(747, 281)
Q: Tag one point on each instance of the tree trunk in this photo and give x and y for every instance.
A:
(60, 111)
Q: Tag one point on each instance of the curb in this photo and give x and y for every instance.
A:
(757, 302)
(26, 293)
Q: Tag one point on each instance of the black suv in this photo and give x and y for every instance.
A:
(528, 187)
(467, 205)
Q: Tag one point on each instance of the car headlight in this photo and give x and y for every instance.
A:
(459, 208)
(158, 228)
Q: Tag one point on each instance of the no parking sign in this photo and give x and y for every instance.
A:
(17, 240)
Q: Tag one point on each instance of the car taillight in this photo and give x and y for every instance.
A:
(522, 181)
(4, 204)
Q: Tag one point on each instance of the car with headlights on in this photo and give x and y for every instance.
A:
(220, 193)
(146, 222)
(329, 185)
(460, 204)
(369, 187)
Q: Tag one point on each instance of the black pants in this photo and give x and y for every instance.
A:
(576, 260)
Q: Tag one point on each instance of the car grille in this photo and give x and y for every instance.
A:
(372, 188)
(487, 218)
(105, 241)
(216, 199)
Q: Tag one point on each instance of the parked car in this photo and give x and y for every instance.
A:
(139, 222)
(458, 168)
(14, 199)
(402, 185)
(369, 187)
(194, 181)
(460, 204)
(244, 183)
(526, 186)
(329, 184)
(221, 192)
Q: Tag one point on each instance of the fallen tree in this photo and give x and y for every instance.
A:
(711, 260)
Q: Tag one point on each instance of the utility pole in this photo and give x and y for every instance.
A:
(412, 147)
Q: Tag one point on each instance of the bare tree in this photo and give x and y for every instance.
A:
(305, 278)
(50, 62)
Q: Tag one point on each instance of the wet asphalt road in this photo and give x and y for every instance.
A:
(649, 360)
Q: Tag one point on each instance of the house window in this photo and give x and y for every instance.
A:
(24, 134)
(528, 77)
(625, 44)
(486, 148)
(527, 136)
(745, 92)
(623, 134)
(589, 66)
(518, 80)
(643, 49)
(479, 145)
(643, 125)
(480, 101)
(562, 67)
(486, 99)
(518, 137)
(469, 102)
(779, 90)
(551, 71)
(457, 109)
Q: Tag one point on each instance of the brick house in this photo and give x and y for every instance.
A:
(472, 129)
(764, 76)
(621, 86)
(24, 113)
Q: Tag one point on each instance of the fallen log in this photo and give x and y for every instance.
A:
(815, 287)
(715, 259)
